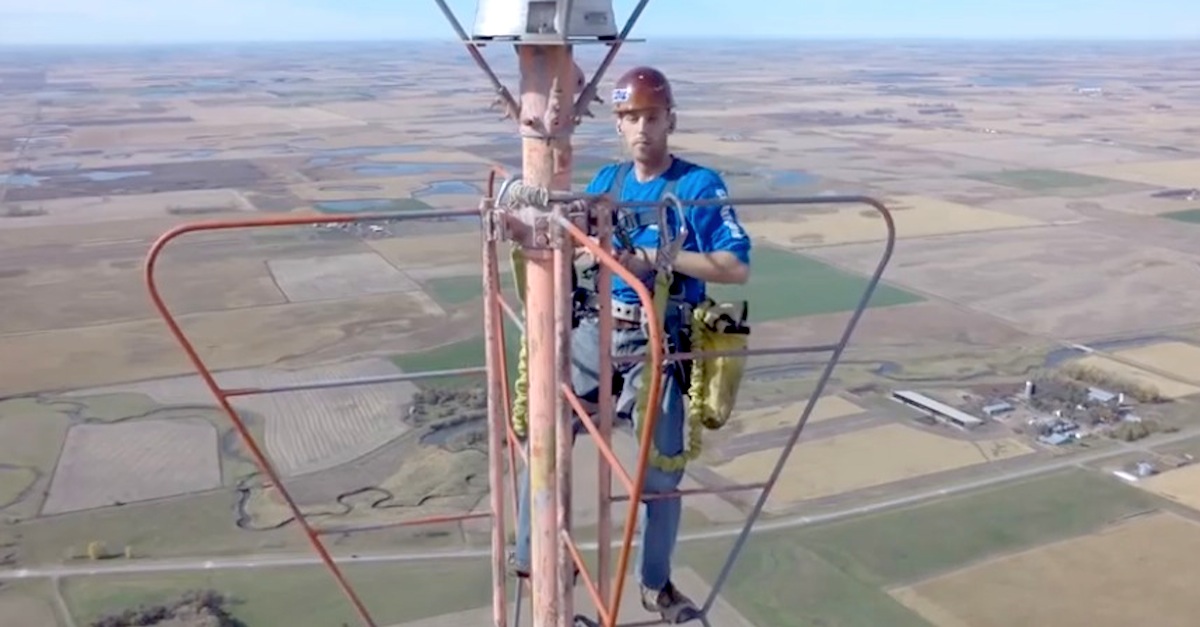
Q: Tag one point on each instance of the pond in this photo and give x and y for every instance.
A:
(791, 178)
(101, 176)
(194, 154)
(56, 168)
(326, 157)
(21, 180)
(447, 187)
(1003, 80)
(394, 169)
(370, 205)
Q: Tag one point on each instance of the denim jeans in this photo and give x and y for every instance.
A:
(659, 518)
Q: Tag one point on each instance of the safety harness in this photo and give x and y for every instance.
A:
(711, 383)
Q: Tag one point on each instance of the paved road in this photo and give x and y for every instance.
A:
(267, 561)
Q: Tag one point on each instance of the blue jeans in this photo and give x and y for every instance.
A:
(659, 519)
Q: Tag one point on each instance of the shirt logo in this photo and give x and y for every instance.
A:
(728, 217)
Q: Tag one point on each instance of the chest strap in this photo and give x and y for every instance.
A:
(631, 220)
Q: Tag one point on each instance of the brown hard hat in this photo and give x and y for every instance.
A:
(642, 88)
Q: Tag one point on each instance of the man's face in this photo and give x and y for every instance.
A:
(645, 132)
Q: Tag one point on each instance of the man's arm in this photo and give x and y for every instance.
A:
(726, 245)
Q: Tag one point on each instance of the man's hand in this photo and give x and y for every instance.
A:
(639, 261)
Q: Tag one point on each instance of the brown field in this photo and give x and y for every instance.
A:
(1135, 204)
(932, 322)
(1136, 573)
(140, 232)
(306, 431)
(115, 291)
(1181, 485)
(914, 216)
(862, 459)
(90, 210)
(460, 249)
(337, 277)
(1178, 359)
(27, 605)
(1036, 152)
(127, 462)
(1169, 388)
(350, 188)
(1126, 289)
(1173, 173)
(130, 351)
(298, 118)
(762, 419)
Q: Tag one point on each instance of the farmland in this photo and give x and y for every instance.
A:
(1027, 245)
(839, 573)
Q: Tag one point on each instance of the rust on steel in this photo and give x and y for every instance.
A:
(493, 356)
(548, 82)
(604, 229)
(654, 350)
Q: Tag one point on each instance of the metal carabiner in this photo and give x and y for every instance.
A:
(668, 246)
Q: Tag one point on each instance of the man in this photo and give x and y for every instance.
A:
(715, 250)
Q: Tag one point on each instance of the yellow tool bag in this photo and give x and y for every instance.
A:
(717, 327)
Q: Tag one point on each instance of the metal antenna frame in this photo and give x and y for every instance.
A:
(547, 233)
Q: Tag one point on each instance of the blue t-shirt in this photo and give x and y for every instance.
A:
(711, 228)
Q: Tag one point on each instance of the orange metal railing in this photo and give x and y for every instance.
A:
(604, 590)
(223, 396)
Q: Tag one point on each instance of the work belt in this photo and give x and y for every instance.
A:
(632, 314)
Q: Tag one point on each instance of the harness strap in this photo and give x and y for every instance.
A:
(640, 218)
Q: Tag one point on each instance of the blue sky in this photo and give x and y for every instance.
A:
(159, 21)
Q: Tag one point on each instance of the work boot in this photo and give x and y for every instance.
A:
(521, 571)
(670, 603)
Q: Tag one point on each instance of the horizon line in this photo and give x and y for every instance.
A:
(796, 39)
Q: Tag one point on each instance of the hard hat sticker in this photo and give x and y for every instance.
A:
(620, 95)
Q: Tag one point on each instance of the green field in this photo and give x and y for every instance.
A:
(299, 596)
(463, 354)
(790, 285)
(1187, 215)
(372, 205)
(835, 574)
(832, 575)
(1039, 180)
(452, 291)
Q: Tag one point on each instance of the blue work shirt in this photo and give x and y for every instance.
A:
(710, 228)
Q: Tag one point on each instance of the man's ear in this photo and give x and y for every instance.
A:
(673, 122)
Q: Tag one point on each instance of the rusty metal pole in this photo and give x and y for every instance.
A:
(563, 263)
(605, 409)
(497, 415)
(548, 79)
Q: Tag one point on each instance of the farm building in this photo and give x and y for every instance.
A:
(996, 409)
(1057, 439)
(937, 409)
(1101, 395)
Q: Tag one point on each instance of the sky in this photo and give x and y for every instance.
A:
(188, 21)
